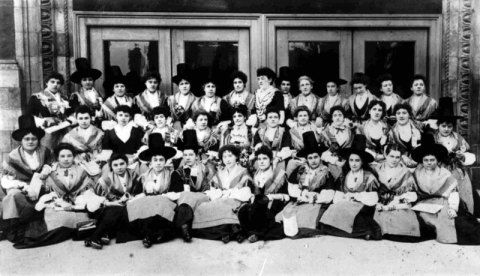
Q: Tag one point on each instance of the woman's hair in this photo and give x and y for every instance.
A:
(230, 148)
(360, 78)
(242, 109)
(300, 109)
(239, 75)
(163, 110)
(265, 71)
(205, 113)
(207, 82)
(64, 146)
(272, 110)
(305, 77)
(83, 109)
(419, 77)
(55, 75)
(442, 120)
(346, 168)
(152, 75)
(116, 156)
(265, 151)
(125, 109)
(405, 106)
(393, 147)
(381, 104)
(339, 108)
(384, 77)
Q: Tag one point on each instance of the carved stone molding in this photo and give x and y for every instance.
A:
(48, 37)
(464, 69)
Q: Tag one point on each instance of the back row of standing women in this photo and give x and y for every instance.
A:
(261, 165)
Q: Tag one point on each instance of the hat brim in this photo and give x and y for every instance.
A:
(166, 152)
(440, 117)
(437, 150)
(77, 76)
(178, 78)
(306, 151)
(18, 134)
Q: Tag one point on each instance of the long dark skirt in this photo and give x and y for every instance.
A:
(258, 219)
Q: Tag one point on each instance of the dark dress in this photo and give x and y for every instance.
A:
(112, 142)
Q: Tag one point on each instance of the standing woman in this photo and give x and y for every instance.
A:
(50, 108)
(388, 96)
(240, 95)
(375, 129)
(239, 134)
(305, 98)
(447, 219)
(85, 76)
(361, 97)
(351, 214)
(215, 106)
(267, 96)
(180, 103)
(396, 196)
(207, 137)
(422, 105)
(285, 83)
(457, 148)
(151, 97)
(333, 98)
(19, 168)
(405, 133)
(118, 83)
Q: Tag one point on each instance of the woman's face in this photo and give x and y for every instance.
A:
(152, 85)
(119, 166)
(285, 86)
(119, 89)
(238, 85)
(263, 161)
(53, 85)
(159, 120)
(430, 162)
(305, 87)
(313, 160)
(418, 87)
(332, 88)
(209, 89)
(263, 82)
(338, 118)
(157, 162)
(445, 128)
(189, 156)
(393, 158)
(302, 118)
(359, 88)
(84, 120)
(184, 87)
(376, 112)
(29, 142)
(402, 116)
(272, 119)
(123, 118)
(229, 159)
(87, 83)
(238, 119)
(65, 158)
(355, 162)
(202, 122)
(387, 87)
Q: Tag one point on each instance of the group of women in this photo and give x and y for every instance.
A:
(245, 166)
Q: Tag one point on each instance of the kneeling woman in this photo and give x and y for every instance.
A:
(312, 188)
(351, 214)
(439, 203)
(217, 219)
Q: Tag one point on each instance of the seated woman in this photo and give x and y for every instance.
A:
(217, 219)
(151, 97)
(207, 137)
(67, 186)
(239, 134)
(312, 188)
(305, 98)
(361, 97)
(169, 134)
(457, 148)
(422, 105)
(117, 83)
(375, 129)
(405, 133)
(301, 125)
(396, 196)
(240, 95)
(181, 102)
(333, 98)
(351, 214)
(267, 97)
(125, 137)
(269, 184)
(117, 186)
(215, 106)
(19, 168)
(390, 98)
(439, 203)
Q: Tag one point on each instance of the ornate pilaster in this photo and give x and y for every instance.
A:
(48, 37)
(464, 69)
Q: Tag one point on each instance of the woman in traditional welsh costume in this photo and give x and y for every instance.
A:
(215, 106)
(180, 103)
(305, 98)
(267, 97)
(361, 98)
(118, 83)
(423, 106)
(375, 129)
(333, 98)
(389, 97)
(240, 95)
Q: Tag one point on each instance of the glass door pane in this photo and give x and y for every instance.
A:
(400, 53)
(212, 53)
(320, 54)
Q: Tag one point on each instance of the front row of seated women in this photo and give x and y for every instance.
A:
(163, 196)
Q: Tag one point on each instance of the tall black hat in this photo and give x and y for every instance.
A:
(183, 73)
(84, 70)
(358, 147)
(189, 140)
(156, 146)
(445, 110)
(285, 73)
(337, 81)
(26, 124)
(310, 145)
(429, 147)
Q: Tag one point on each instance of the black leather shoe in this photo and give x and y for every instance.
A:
(226, 239)
(187, 237)
(241, 237)
(147, 242)
(105, 240)
(93, 244)
(253, 238)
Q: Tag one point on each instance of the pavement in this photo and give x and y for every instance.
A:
(323, 255)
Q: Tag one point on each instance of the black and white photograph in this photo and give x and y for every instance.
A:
(239, 137)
